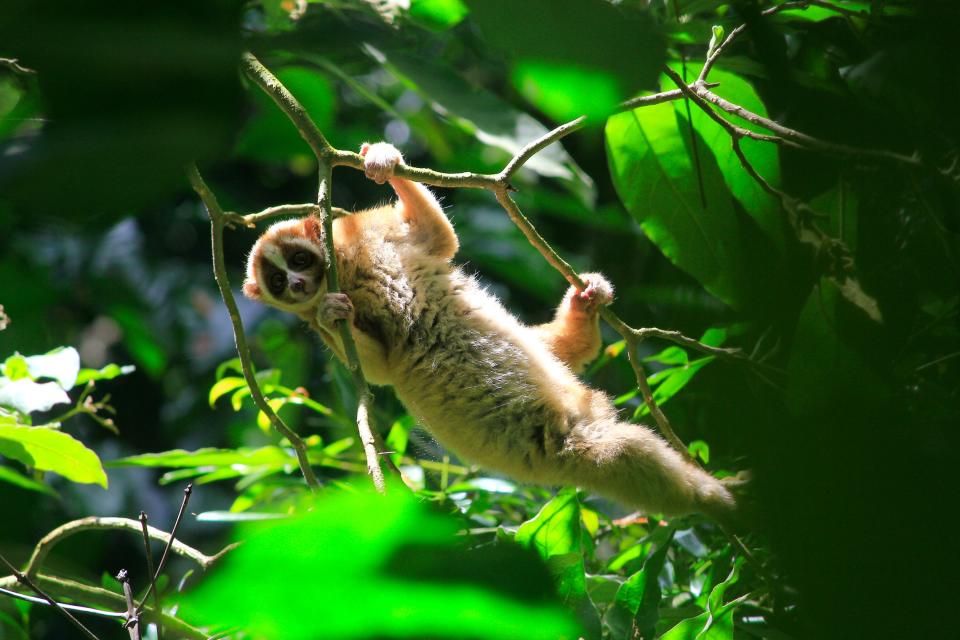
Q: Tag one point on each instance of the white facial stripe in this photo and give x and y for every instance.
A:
(273, 254)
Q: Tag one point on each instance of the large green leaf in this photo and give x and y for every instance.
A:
(636, 605)
(555, 530)
(656, 178)
(208, 457)
(47, 449)
(716, 623)
(763, 156)
(367, 566)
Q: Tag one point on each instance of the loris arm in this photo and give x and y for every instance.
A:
(417, 206)
(574, 333)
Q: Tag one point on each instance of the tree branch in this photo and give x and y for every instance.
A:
(30, 584)
(66, 588)
(64, 531)
(217, 221)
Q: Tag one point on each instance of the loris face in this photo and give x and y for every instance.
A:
(287, 265)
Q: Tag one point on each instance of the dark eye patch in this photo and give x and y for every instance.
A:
(301, 260)
(276, 279)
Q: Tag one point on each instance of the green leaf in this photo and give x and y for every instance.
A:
(224, 386)
(270, 136)
(438, 15)
(233, 364)
(565, 91)
(15, 478)
(208, 457)
(108, 372)
(763, 207)
(400, 569)
(670, 355)
(26, 396)
(716, 623)
(555, 530)
(714, 336)
(656, 179)
(15, 367)
(47, 449)
(700, 449)
(61, 364)
(673, 380)
(636, 605)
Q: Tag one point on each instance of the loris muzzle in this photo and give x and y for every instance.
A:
(492, 390)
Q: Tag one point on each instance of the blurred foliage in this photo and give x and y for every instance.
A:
(848, 425)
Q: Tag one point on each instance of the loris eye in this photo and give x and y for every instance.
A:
(277, 283)
(301, 260)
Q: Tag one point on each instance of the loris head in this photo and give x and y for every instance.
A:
(287, 265)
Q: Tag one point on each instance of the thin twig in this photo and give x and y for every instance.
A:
(663, 424)
(69, 607)
(98, 596)
(187, 491)
(148, 553)
(327, 158)
(239, 335)
(28, 583)
(14, 65)
(133, 622)
(64, 531)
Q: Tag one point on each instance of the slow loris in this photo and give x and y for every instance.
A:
(490, 389)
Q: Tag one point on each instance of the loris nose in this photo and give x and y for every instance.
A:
(298, 285)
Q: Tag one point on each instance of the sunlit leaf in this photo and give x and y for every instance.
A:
(376, 566)
(438, 14)
(555, 530)
(47, 449)
(109, 372)
(673, 380)
(224, 386)
(15, 367)
(62, 365)
(699, 449)
(716, 623)
(670, 355)
(656, 179)
(565, 91)
(26, 396)
(763, 207)
(206, 457)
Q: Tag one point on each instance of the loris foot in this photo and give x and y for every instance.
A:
(379, 160)
(598, 292)
(333, 307)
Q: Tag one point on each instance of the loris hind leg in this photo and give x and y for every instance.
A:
(631, 464)
(574, 333)
(429, 226)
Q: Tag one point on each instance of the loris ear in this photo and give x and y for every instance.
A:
(313, 228)
(251, 289)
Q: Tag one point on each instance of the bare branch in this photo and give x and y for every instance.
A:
(133, 622)
(28, 583)
(64, 531)
(217, 222)
(151, 570)
(166, 550)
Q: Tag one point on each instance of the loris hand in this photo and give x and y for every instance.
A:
(333, 307)
(379, 160)
(597, 293)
